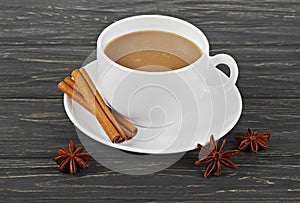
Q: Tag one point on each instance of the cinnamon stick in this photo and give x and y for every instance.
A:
(81, 86)
(82, 73)
(116, 118)
(110, 130)
(113, 130)
(82, 90)
(70, 82)
(130, 130)
(70, 92)
(119, 118)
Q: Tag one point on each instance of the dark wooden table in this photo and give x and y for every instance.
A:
(42, 41)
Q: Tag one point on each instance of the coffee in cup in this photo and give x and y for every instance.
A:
(153, 51)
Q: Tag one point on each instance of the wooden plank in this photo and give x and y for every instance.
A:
(32, 128)
(36, 180)
(43, 125)
(42, 42)
(226, 22)
(35, 72)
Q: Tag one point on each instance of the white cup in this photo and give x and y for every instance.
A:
(154, 99)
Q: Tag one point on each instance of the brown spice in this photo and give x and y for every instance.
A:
(69, 160)
(253, 140)
(82, 90)
(215, 158)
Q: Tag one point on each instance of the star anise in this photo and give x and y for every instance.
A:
(255, 140)
(214, 158)
(69, 160)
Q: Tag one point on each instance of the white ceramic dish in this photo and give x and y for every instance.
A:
(135, 93)
(220, 111)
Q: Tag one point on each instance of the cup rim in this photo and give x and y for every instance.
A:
(100, 48)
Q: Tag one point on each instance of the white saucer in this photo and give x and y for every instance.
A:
(220, 111)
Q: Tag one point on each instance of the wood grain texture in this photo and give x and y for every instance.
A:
(51, 38)
(42, 41)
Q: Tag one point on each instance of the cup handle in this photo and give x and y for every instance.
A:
(233, 67)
